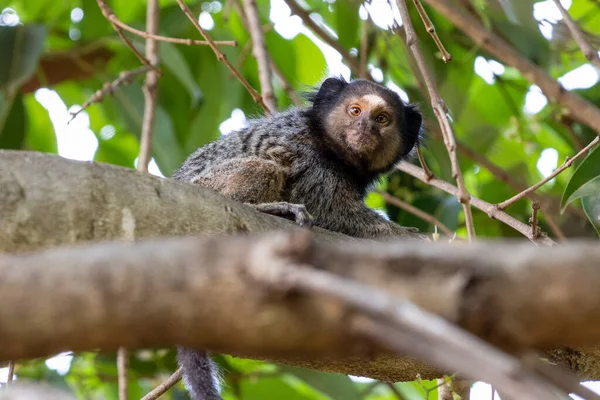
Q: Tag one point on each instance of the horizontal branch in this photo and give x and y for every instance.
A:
(47, 200)
(107, 296)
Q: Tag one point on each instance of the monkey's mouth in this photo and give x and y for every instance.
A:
(362, 139)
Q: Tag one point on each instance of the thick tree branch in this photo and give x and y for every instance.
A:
(579, 108)
(108, 296)
(47, 201)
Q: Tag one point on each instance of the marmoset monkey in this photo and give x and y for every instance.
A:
(314, 164)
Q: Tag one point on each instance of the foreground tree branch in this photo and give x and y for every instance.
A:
(108, 296)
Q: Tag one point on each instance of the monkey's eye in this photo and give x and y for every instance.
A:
(381, 119)
(354, 111)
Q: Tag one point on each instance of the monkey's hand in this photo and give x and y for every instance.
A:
(295, 212)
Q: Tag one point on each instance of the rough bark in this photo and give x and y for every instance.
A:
(46, 201)
(106, 291)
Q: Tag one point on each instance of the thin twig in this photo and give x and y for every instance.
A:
(122, 365)
(364, 49)
(150, 88)
(490, 209)
(535, 230)
(589, 52)
(566, 164)
(439, 109)
(106, 11)
(109, 88)
(320, 32)
(111, 17)
(163, 387)
(424, 165)
(259, 49)
(11, 372)
(221, 57)
(446, 57)
(415, 211)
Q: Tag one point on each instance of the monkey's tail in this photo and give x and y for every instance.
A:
(200, 374)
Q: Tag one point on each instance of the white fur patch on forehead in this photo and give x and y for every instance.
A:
(374, 100)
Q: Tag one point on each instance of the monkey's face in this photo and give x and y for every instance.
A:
(367, 127)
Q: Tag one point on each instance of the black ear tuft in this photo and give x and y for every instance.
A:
(328, 92)
(414, 127)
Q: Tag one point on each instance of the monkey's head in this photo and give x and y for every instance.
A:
(366, 123)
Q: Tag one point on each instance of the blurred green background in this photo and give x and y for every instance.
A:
(54, 54)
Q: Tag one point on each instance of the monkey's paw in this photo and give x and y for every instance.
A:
(295, 212)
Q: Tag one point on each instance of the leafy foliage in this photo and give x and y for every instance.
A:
(69, 47)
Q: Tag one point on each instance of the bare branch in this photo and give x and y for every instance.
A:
(566, 164)
(122, 366)
(589, 52)
(106, 11)
(165, 386)
(11, 372)
(150, 88)
(439, 109)
(110, 15)
(415, 211)
(424, 165)
(446, 57)
(581, 110)
(535, 230)
(125, 78)
(490, 209)
(108, 294)
(259, 49)
(364, 49)
(221, 57)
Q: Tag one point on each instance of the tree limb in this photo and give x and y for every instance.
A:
(108, 296)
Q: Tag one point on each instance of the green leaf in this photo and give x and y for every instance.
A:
(585, 172)
(346, 18)
(591, 206)
(40, 131)
(311, 72)
(13, 122)
(21, 47)
(172, 58)
(337, 386)
(165, 147)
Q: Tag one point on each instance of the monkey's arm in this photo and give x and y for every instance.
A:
(256, 182)
(354, 218)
